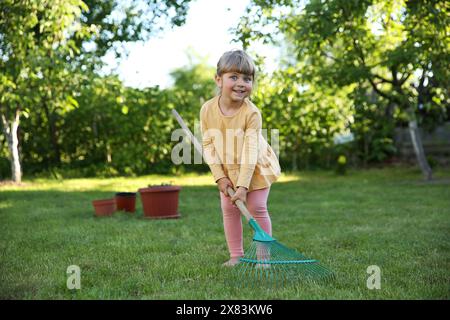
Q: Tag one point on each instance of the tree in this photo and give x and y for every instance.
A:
(306, 117)
(22, 54)
(117, 22)
(399, 48)
(45, 46)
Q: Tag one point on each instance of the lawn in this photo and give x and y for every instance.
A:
(384, 217)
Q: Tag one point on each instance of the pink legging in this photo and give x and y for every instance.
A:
(232, 221)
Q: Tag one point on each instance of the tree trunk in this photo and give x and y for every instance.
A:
(108, 153)
(416, 140)
(10, 132)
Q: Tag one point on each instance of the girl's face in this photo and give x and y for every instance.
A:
(235, 86)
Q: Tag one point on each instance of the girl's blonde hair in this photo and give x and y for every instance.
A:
(236, 61)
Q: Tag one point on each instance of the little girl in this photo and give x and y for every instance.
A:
(235, 150)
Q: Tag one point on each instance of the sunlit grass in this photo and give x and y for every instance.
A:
(384, 217)
(125, 184)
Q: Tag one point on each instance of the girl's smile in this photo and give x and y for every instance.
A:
(235, 86)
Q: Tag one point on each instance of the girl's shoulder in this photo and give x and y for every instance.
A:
(252, 109)
(207, 106)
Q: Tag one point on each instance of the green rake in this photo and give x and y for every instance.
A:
(267, 261)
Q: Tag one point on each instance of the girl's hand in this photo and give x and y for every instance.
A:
(223, 184)
(240, 194)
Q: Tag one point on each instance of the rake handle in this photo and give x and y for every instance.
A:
(239, 203)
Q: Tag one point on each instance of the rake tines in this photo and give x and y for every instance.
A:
(271, 263)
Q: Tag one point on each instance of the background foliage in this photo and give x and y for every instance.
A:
(349, 68)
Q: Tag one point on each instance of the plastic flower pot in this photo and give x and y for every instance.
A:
(104, 207)
(126, 201)
(160, 202)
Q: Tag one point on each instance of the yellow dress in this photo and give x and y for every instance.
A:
(234, 146)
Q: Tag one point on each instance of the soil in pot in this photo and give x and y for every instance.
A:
(160, 202)
(104, 207)
(126, 201)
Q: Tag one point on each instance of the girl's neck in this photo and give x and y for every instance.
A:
(226, 104)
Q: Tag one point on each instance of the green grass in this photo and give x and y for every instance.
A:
(383, 217)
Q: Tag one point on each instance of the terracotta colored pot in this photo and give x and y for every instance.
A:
(126, 201)
(104, 207)
(160, 202)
